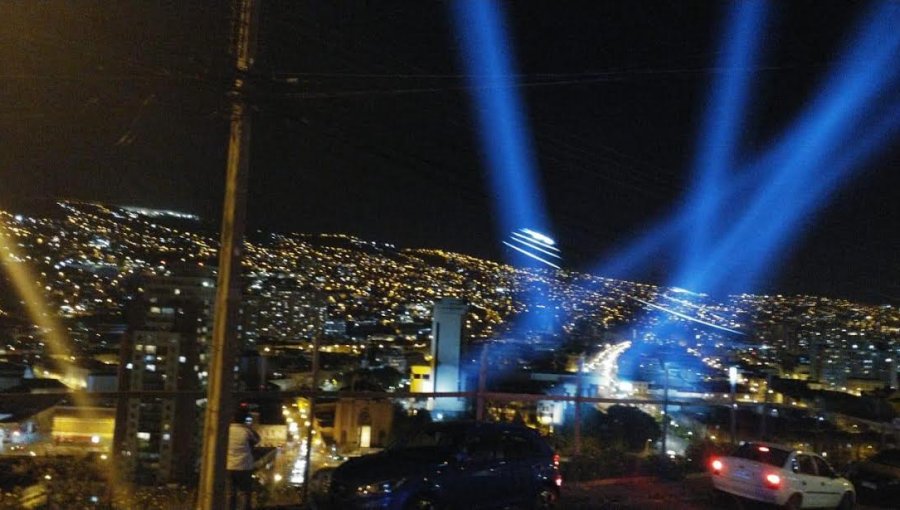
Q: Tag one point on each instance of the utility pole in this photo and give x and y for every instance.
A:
(578, 405)
(765, 408)
(665, 410)
(733, 380)
(482, 384)
(307, 473)
(219, 405)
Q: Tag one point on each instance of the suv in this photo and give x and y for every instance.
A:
(450, 465)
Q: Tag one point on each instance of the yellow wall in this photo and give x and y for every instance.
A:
(80, 429)
(420, 379)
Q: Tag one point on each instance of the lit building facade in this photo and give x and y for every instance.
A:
(157, 439)
(447, 331)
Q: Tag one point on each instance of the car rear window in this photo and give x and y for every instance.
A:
(762, 453)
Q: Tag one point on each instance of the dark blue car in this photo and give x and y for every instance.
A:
(450, 465)
(877, 479)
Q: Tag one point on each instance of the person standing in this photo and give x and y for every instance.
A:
(241, 440)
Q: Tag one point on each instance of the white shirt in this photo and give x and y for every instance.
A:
(241, 439)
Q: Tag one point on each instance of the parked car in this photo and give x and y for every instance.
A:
(779, 475)
(878, 478)
(449, 465)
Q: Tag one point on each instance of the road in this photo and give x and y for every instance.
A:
(605, 365)
(648, 493)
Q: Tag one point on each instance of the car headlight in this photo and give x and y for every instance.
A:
(378, 488)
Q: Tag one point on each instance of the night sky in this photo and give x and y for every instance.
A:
(374, 135)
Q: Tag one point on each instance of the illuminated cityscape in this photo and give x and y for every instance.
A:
(457, 254)
(95, 260)
(135, 293)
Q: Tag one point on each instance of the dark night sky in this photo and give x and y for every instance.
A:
(124, 102)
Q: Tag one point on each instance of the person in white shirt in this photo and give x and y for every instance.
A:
(241, 440)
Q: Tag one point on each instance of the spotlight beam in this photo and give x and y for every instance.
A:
(793, 192)
(487, 56)
(772, 196)
(852, 86)
(816, 194)
(719, 137)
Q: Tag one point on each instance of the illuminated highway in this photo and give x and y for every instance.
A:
(605, 365)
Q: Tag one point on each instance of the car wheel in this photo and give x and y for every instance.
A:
(546, 499)
(794, 502)
(721, 499)
(847, 502)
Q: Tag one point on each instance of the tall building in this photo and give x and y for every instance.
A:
(447, 330)
(165, 348)
(815, 361)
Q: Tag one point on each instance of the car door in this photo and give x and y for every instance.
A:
(520, 458)
(831, 487)
(481, 483)
(805, 469)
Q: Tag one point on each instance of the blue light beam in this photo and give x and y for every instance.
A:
(721, 127)
(838, 166)
(505, 141)
(801, 152)
(503, 131)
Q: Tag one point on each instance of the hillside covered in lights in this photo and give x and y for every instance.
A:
(90, 259)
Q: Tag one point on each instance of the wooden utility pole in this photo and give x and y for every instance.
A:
(307, 471)
(665, 412)
(765, 408)
(482, 384)
(578, 396)
(733, 380)
(219, 405)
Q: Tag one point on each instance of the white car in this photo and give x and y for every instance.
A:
(782, 476)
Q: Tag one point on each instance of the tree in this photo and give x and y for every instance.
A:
(631, 427)
(406, 424)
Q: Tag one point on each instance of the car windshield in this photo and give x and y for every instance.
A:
(889, 457)
(761, 453)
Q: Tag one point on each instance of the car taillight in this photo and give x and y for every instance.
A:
(773, 481)
(716, 466)
(556, 460)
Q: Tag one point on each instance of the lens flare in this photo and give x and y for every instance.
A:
(534, 245)
(28, 287)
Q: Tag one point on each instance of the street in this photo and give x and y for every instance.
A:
(649, 493)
